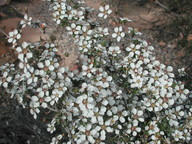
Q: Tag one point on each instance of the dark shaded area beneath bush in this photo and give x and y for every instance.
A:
(17, 126)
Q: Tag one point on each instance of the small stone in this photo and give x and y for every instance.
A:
(161, 43)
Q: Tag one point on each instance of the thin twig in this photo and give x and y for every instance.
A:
(160, 4)
(3, 33)
(70, 135)
(16, 9)
(55, 110)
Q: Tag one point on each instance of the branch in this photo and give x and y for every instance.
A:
(3, 33)
(160, 4)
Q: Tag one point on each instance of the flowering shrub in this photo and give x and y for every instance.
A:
(120, 93)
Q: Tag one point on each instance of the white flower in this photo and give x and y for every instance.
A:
(137, 114)
(26, 21)
(124, 20)
(51, 127)
(60, 11)
(85, 45)
(137, 81)
(40, 100)
(77, 15)
(102, 32)
(49, 65)
(56, 95)
(86, 133)
(114, 50)
(24, 65)
(56, 139)
(182, 72)
(177, 135)
(31, 75)
(24, 52)
(133, 50)
(61, 87)
(14, 36)
(118, 33)
(134, 130)
(85, 33)
(5, 79)
(74, 29)
(88, 70)
(34, 109)
(105, 11)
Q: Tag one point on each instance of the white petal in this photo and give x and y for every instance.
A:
(34, 116)
(109, 11)
(103, 135)
(11, 34)
(15, 31)
(26, 17)
(134, 111)
(34, 98)
(100, 15)
(35, 79)
(41, 94)
(140, 113)
(78, 28)
(40, 65)
(116, 29)
(27, 74)
(51, 68)
(14, 41)
(73, 25)
(18, 36)
(9, 79)
(47, 62)
(47, 99)
(21, 65)
(21, 57)
(120, 28)
(106, 7)
(122, 34)
(114, 35)
(44, 105)
(52, 102)
(10, 40)
(101, 8)
(106, 84)
(118, 38)
(5, 84)
(29, 55)
(58, 21)
(5, 74)
(18, 49)
(29, 81)
(30, 18)
(24, 44)
(68, 28)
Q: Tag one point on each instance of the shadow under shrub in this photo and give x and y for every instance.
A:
(19, 127)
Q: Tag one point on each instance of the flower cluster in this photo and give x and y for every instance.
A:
(120, 93)
(63, 11)
(104, 11)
